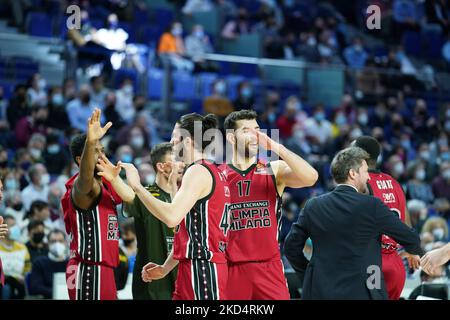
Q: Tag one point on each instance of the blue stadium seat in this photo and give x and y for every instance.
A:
(150, 34)
(206, 80)
(248, 70)
(433, 42)
(412, 43)
(155, 83)
(183, 86)
(163, 17)
(197, 105)
(232, 85)
(39, 24)
(122, 74)
(8, 89)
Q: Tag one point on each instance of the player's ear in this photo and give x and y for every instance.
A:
(78, 160)
(160, 167)
(231, 138)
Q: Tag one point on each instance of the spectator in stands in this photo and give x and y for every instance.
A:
(318, 128)
(308, 47)
(405, 17)
(139, 144)
(418, 213)
(110, 112)
(80, 109)
(38, 187)
(55, 158)
(218, 103)
(17, 107)
(396, 168)
(237, 26)
(441, 183)
(272, 41)
(446, 52)
(44, 267)
(129, 243)
(36, 146)
(57, 117)
(438, 227)
(197, 44)
(227, 7)
(194, 6)
(54, 204)
(14, 207)
(69, 89)
(40, 211)
(36, 245)
(98, 91)
(28, 125)
(124, 101)
(288, 119)
(146, 173)
(417, 187)
(355, 55)
(36, 93)
(246, 97)
(125, 154)
(171, 48)
(16, 262)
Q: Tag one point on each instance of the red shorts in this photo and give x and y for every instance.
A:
(90, 282)
(257, 281)
(200, 280)
(394, 274)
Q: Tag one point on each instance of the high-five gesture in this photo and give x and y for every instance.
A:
(107, 169)
(95, 131)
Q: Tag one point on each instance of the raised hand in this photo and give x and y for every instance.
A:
(3, 228)
(266, 142)
(434, 259)
(106, 169)
(132, 175)
(95, 131)
(152, 271)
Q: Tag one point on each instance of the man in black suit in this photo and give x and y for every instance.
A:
(345, 227)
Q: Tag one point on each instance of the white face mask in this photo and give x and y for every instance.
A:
(137, 142)
(399, 168)
(128, 89)
(45, 179)
(57, 250)
(438, 233)
(149, 179)
(420, 174)
(35, 153)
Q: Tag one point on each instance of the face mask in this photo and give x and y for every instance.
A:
(53, 149)
(425, 155)
(445, 156)
(428, 246)
(14, 233)
(420, 174)
(45, 179)
(18, 206)
(355, 133)
(57, 249)
(35, 153)
(320, 116)
(438, 234)
(363, 119)
(42, 84)
(311, 41)
(446, 174)
(127, 158)
(137, 142)
(398, 168)
(177, 32)
(442, 142)
(149, 179)
(58, 99)
(128, 89)
(38, 237)
(358, 47)
(406, 144)
(199, 34)
(246, 92)
(220, 87)
(271, 117)
(341, 120)
(3, 164)
(11, 184)
(127, 242)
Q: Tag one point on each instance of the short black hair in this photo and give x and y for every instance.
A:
(37, 205)
(209, 121)
(159, 152)
(77, 146)
(34, 224)
(345, 160)
(371, 146)
(232, 118)
(56, 231)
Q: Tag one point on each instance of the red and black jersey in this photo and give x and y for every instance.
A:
(255, 213)
(388, 190)
(203, 233)
(93, 233)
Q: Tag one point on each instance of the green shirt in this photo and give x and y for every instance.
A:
(154, 243)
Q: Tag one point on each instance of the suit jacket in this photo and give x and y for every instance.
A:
(345, 228)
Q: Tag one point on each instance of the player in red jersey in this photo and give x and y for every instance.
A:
(388, 190)
(90, 216)
(198, 211)
(255, 267)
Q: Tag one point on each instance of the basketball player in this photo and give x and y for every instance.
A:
(255, 267)
(198, 211)
(90, 217)
(388, 190)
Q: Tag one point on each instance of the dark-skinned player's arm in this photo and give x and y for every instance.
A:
(196, 184)
(111, 173)
(85, 188)
(292, 171)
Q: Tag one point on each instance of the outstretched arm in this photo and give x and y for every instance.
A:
(435, 258)
(196, 184)
(152, 271)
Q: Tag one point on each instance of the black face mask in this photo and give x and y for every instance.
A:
(127, 242)
(18, 206)
(38, 237)
(3, 164)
